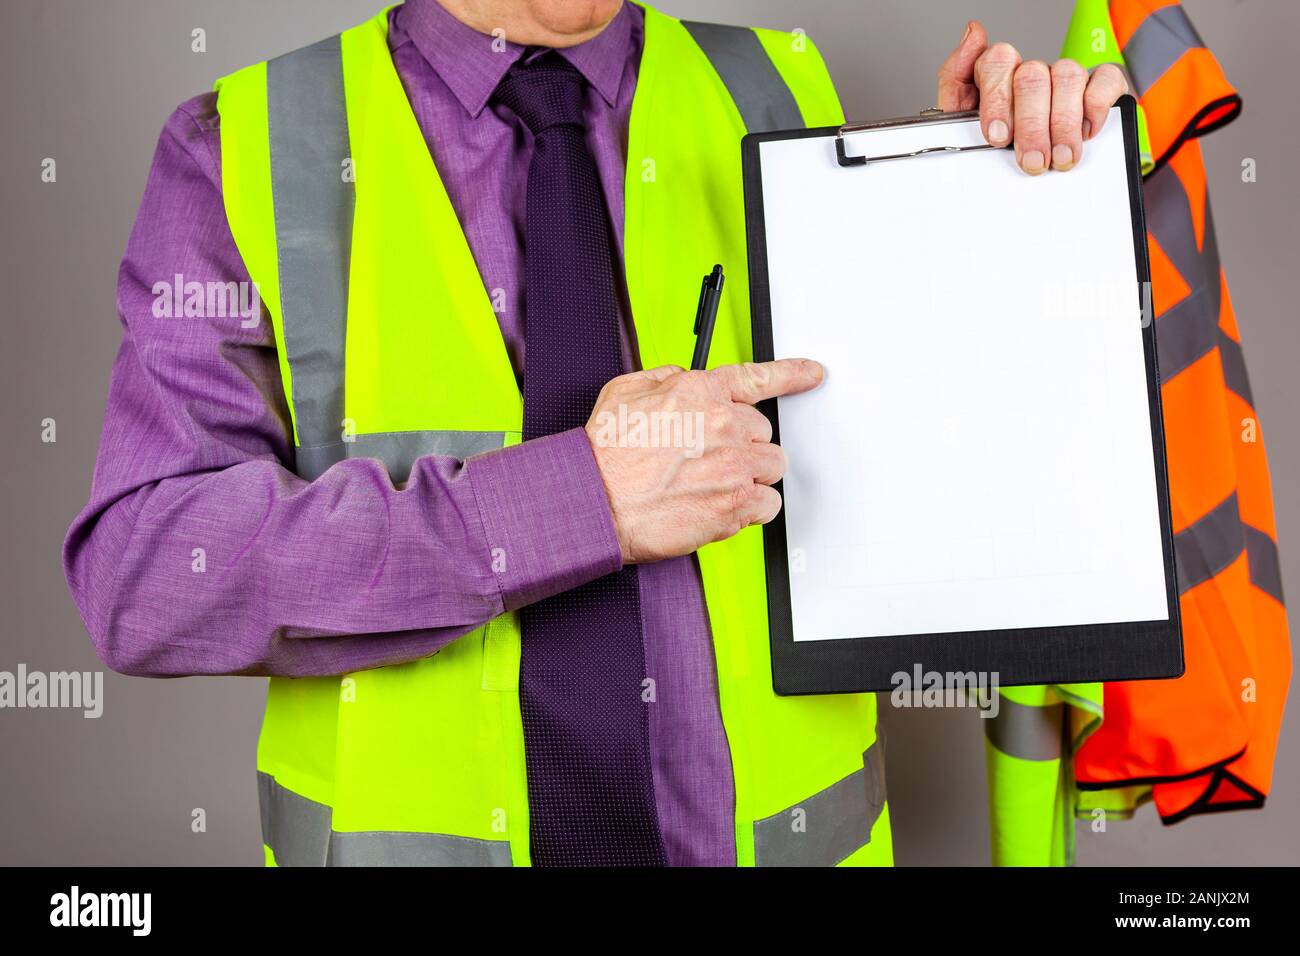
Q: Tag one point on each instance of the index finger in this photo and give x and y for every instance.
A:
(755, 381)
(994, 72)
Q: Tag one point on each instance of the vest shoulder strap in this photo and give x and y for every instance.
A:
(778, 80)
(289, 203)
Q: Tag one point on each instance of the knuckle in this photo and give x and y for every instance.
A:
(1068, 132)
(686, 381)
(1097, 98)
(723, 382)
(733, 460)
(621, 383)
(769, 505)
(1002, 54)
(1067, 122)
(1111, 75)
(988, 74)
(715, 381)
(756, 373)
(1032, 77)
(1068, 72)
(1031, 131)
(739, 502)
(1067, 125)
(995, 102)
(718, 420)
(1105, 87)
(777, 462)
(681, 391)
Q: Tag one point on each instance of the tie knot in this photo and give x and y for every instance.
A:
(544, 93)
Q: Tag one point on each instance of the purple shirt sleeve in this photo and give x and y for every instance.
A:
(199, 552)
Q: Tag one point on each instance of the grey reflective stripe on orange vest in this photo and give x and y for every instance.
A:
(299, 833)
(829, 826)
(308, 128)
(736, 55)
(1025, 731)
(1207, 546)
(1265, 569)
(1186, 333)
(1188, 330)
(1157, 43)
(1234, 368)
(397, 450)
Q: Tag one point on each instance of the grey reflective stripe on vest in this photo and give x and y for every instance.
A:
(1025, 731)
(1265, 570)
(1208, 545)
(415, 849)
(308, 129)
(1234, 368)
(397, 450)
(761, 95)
(299, 834)
(308, 126)
(1156, 45)
(829, 826)
(1190, 329)
(296, 829)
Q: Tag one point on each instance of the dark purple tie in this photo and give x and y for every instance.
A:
(586, 736)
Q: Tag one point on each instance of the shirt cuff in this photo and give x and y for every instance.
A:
(546, 515)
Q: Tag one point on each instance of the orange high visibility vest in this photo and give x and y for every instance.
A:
(1205, 741)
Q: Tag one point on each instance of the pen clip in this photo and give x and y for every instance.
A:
(699, 308)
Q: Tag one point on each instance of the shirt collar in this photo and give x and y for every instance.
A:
(468, 63)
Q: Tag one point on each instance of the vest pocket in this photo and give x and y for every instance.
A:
(501, 653)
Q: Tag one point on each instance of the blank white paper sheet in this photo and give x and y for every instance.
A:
(979, 456)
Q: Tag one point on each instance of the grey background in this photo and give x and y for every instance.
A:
(90, 83)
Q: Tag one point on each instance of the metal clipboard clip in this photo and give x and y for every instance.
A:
(925, 117)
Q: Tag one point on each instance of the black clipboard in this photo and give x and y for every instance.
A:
(1130, 650)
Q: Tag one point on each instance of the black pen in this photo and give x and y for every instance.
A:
(706, 314)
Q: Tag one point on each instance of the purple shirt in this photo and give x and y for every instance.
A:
(200, 552)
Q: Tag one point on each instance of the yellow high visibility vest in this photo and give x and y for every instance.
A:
(389, 348)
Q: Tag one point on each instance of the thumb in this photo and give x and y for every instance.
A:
(957, 89)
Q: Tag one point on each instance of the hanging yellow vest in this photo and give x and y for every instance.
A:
(389, 348)
(1029, 746)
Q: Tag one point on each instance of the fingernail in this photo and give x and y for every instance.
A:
(1087, 129)
(813, 368)
(998, 133)
(1032, 161)
(1062, 157)
(969, 26)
